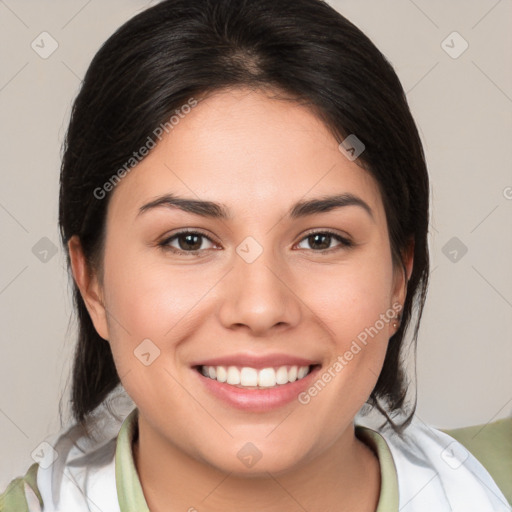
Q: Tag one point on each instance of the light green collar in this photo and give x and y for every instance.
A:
(129, 491)
(388, 500)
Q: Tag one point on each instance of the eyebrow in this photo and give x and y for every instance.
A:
(220, 211)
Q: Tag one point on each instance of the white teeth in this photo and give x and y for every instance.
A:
(303, 371)
(282, 375)
(233, 375)
(222, 374)
(267, 378)
(251, 377)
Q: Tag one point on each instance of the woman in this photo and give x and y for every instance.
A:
(244, 205)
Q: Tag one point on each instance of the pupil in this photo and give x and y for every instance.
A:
(317, 237)
(190, 241)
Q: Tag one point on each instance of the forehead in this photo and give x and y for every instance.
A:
(248, 151)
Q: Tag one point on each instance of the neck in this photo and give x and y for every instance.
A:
(345, 477)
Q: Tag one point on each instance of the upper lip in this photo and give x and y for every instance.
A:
(256, 361)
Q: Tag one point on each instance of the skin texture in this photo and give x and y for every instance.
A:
(257, 156)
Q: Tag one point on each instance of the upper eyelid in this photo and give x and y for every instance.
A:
(325, 230)
(193, 231)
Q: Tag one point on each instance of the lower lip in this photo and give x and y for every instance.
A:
(258, 400)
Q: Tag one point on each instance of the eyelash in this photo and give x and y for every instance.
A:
(344, 242)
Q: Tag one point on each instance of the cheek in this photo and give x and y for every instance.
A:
(354, 305)
(156, 302)
(350, 298)
(152, 311)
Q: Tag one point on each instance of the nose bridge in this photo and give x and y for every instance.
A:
(256, 294)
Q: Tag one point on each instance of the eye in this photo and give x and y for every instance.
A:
(193, 242)
(186, 242)
(320, 241)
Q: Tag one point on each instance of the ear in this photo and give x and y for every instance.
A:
(89, 287)
(401, 277)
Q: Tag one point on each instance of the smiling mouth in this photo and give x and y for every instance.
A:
(252, 378)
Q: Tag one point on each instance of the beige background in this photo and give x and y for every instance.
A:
(463, 107)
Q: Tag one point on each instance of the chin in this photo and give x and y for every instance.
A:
(255, 459)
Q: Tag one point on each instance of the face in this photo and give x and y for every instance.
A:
(285, 307)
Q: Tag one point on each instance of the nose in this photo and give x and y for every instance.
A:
(258, 297)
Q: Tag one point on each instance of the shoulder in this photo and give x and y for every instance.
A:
(22, 494)
(432, 467)
(79, 468)
(491, 444)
